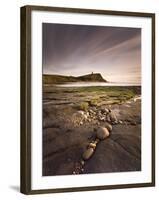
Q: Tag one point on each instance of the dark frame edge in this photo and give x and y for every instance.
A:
(25, 107)
(89, 11)
(153, 100)
(91, 188)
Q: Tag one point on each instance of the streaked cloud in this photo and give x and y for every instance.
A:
(115, 52)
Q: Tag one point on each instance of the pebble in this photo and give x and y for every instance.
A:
(82, 162)
(88, 153)
(120, 122)
(91, 112)
(102, 118)
(113, 117)
(81, 112)
(107, 110)
(92, 145)
(104, 110)
(102, 133)
(87, 113)
(85, 117)
(108, 126)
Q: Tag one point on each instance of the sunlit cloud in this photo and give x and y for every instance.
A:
(76, 50)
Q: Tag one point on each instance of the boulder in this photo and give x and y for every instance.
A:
(88, 153)
(102, 133)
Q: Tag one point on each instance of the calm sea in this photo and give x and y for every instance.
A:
(88, 84)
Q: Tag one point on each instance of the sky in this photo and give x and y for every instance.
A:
(76, 50)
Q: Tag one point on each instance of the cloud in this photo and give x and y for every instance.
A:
(115, 52)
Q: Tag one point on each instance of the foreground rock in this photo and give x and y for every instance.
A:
(102, 133)
(69, 131)
(120, 152)
(88, 153)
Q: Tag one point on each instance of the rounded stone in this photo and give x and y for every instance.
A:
(91, 111)
(107, 110)
(85, 116)
(92, 145)
(80, 112)
(87, 113)
(108, 126)
(102, 133)
(82, 162)
(88, 153)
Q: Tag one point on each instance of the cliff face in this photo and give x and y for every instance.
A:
(92, 77)
(57, 79)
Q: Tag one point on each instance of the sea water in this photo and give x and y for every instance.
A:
(90, 84)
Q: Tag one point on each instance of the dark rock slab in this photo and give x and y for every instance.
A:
(116, 154)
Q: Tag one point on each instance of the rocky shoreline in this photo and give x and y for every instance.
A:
(101, 137)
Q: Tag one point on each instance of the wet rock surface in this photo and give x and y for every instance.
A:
(68, 132)
(115, 155)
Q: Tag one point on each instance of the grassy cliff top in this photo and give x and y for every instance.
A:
(58, 79)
